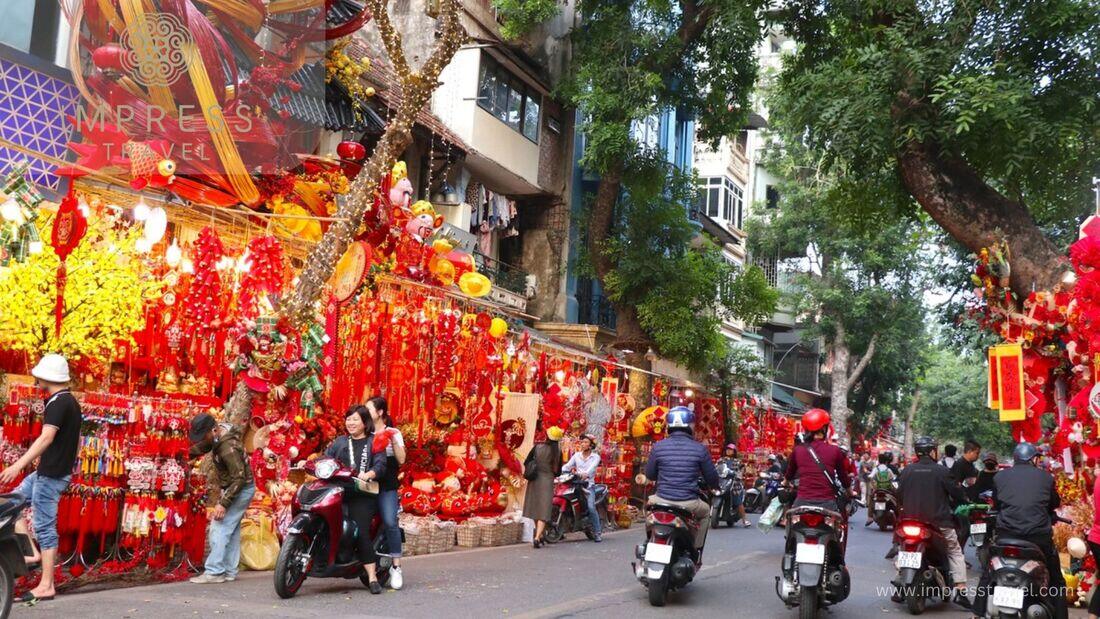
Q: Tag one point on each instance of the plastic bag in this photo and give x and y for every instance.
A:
(771, 515)
(259, 543)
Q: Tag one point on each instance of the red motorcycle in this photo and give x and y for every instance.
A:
(321, 540)
(570, 511)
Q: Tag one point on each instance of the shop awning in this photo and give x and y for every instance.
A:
(784, 398)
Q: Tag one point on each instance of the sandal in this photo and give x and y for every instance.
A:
(32, 599)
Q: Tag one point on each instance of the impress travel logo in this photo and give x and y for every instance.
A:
(156, 49)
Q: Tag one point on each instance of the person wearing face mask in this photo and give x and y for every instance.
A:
(57, 446)
(233, 475)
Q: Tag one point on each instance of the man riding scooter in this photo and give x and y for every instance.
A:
(1025, 498)
(927, 494)
(676, 463)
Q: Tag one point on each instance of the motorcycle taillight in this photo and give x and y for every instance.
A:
(912, 531)
(811, 519)
(663, 517)
(1010, 551)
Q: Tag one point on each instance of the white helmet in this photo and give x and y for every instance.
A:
(52, 368)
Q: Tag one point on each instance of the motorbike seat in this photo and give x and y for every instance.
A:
(679, 511)
(12, 503)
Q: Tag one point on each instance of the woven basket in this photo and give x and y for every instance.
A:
(442, 539)
(469, 535)
(416, 543)
(496, 534)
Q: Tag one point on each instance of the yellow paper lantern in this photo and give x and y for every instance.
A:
(474, 284)
(498, 328)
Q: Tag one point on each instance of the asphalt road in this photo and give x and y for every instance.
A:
(575, 578)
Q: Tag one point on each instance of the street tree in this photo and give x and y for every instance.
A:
(858, 279)
(984, 112)
(633, 60)
(952, 405)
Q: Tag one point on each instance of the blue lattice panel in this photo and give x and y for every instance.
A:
(33, 107)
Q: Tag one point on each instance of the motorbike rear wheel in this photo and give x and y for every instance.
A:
(807, 603)
(289, 571)
(7, 588)
(658, 589)
(555, 528)
(915, 600)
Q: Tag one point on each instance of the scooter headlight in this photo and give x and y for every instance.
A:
(325, 469)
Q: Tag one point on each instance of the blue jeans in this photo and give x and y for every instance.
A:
(225, 536)
(593, 515)
(44, 493)
(388, 505)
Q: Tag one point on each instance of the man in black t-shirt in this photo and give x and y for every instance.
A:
(57, 446)
(964, 473)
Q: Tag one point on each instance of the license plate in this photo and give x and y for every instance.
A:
(880, 506)
(810, 553)
(977, 528)
(909, 559)
(658, 553)
(1008, 597)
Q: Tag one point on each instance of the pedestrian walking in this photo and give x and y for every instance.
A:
(389, 502)
(57, 446)
(233, 476)
(948, 458)
(540, 468)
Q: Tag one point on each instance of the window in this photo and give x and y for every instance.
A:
(722, 199)
(512, 101)
(30, 26)
(772, 196)
(741, 144)
(647, 132)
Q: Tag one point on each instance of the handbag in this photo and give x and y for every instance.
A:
(530, 467)
(366, 487)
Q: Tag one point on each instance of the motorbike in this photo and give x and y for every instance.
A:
(982, 528)
(924, 572)
(813, 571)
(570, 508)
(14, 547)
(762, 492)
(1019, 574)
(884, 511)
(729, 489)
(668, 560)
(321, 539)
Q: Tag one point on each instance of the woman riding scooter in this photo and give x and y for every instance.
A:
(737, 494)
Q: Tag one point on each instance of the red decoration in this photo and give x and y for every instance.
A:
(69, 228)
(266, 273)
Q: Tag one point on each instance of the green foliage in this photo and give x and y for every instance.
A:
(1009, 87)
(867, 275)
(521, 16)
(952, 406)
(674, 288)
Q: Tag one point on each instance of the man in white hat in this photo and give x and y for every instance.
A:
(57, 446)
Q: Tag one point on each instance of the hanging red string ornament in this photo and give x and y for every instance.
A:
(203, 306)
(68, 229)
(265, 275)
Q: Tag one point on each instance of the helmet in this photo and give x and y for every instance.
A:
(990, 457)
(731, 446)
(924, 445)
(1024, 452)
(680, 418)
(886, 457)
(815, 419)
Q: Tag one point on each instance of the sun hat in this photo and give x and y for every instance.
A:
(52, 368)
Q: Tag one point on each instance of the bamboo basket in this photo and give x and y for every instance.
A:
(495, 534)
(442, 538)
(469, 535)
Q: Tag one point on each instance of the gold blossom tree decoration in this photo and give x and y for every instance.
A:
(103, 298)
(413, 89)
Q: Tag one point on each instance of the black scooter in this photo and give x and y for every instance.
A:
(14, 548)
(668, 560)
(813, 570)
(924, 572)
(1019, 575)
(729, 489)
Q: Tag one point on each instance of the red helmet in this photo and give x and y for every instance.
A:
(815, 419)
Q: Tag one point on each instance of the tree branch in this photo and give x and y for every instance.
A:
(863, 361)
(391, 38)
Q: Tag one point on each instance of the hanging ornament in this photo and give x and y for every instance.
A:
(68, 229)
(263, 271)
(18, 233)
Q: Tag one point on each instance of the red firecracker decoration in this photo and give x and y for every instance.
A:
(203, 306)
(266, 273)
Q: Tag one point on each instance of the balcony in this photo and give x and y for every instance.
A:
(509, 282)
(594, 308)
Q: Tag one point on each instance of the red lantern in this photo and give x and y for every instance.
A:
(108, 56)
(351, 150)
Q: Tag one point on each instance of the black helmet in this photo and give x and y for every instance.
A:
(885, 457)
(1024, 452)
(924, 446)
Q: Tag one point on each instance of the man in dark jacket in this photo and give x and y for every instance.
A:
(232, 474)
(676, 463)
(1025, 499)
(927, 493)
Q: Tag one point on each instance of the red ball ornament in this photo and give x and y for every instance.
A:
(108, 56)
(351, 150)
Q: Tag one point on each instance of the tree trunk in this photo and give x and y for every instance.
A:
(977, 216)
(907, 442)
(844, 378)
